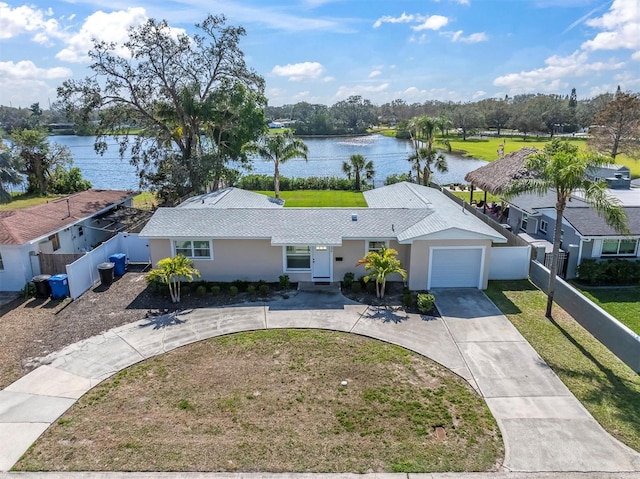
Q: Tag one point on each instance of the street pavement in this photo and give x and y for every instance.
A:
(546, 430)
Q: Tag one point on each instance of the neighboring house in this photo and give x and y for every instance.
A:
(616, 176)
(73, 224)
(235, 234)
(584, 234)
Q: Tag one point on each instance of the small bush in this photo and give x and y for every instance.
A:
(185, 289)
(356, 288)
(425, 302)
(201, 290)
(609, 272)
(348, 280)
(264, 290)
(240, 284)
(251, 289)
(233, 291)
(407, 299)
(371, 287)
(215, 290)
(283, 282)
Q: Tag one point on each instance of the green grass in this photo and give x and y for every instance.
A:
(477, 196)
(320, 198)
(272, 401)
(145, 200)
(27, 200)
(606, 386)
(487, 148)
(622, 303)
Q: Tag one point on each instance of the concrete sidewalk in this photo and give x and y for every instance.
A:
(544, 427)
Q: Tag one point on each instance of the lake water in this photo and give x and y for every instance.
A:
(326, 155)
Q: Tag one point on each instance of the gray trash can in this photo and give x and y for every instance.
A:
(106, 273)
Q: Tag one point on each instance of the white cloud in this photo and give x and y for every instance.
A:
(404, 18)
(26, 19)
(347, 91)
(434, 22)
(299, 71)
(328, 79)
(553, 76)
(420, 39)
(27, 70)
(478, 94)
(621, 25)
(375, 73)
(108, 27)
(473, 38)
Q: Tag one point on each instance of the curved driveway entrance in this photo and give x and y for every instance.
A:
(544, 426)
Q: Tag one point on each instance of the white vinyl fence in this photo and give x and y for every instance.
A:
(83, 273)
(509, 262)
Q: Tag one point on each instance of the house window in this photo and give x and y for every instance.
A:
(55, 242)
(543, 226)
(375, 245)
(194, 249)
(525, 220)
(621, 247)
(298, 258)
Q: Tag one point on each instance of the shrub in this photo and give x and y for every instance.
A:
(407, 299)
(215, 290)
(264, 290)
(284, 282)
(240, 284)
(356, 288)
(371, 287)
(185, 288)
(348, 280)
(251, 289)
(233, 291)
(201, 290)
(609, 272)
(589, 271)
(425, 302)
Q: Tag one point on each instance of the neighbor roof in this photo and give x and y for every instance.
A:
(232, 198)
(21, 226)
(494, 177)
(326, 226)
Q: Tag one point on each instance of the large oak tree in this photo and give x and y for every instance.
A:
(191, 100)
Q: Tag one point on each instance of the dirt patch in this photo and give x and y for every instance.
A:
(33, 327)
(276, 401)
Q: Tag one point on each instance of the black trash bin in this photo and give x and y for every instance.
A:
(43, 288)
(106, 273)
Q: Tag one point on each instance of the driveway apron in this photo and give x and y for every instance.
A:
(544, 427)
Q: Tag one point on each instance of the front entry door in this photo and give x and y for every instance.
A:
(321, 270)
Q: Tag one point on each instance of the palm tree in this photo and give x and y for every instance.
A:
(562, 168)
(379, 265)
(9, 175)
(355, 167)
(432, 158)
(279, 148)
(171, 271)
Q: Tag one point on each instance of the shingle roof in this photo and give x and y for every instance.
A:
(24, 225)
(433, 212)
(232, 198)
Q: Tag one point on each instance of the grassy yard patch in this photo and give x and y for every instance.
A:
(622, 303)
(320, 198)
(145, 200)
(272, 401)
(27, 200)
(487, 148)
(607, 387)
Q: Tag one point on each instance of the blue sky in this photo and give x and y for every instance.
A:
(322, 51)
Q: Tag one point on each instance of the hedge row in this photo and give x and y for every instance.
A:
(265, 183)
(610, 272)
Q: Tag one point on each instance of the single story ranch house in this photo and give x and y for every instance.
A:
(235, 234)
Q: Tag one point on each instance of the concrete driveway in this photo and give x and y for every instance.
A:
(544, 427)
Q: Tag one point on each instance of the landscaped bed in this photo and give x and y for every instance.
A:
(274, 401)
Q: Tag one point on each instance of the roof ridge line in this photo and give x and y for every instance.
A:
(418, 194)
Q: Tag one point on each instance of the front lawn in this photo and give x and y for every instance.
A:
(272, 401)
(622, 303)
(606, 386)
(320, 198)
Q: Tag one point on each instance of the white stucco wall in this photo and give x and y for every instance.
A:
(17, 267)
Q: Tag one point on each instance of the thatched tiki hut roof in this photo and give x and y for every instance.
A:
(494, 177)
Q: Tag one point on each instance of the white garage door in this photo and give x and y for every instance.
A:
(455, 268)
